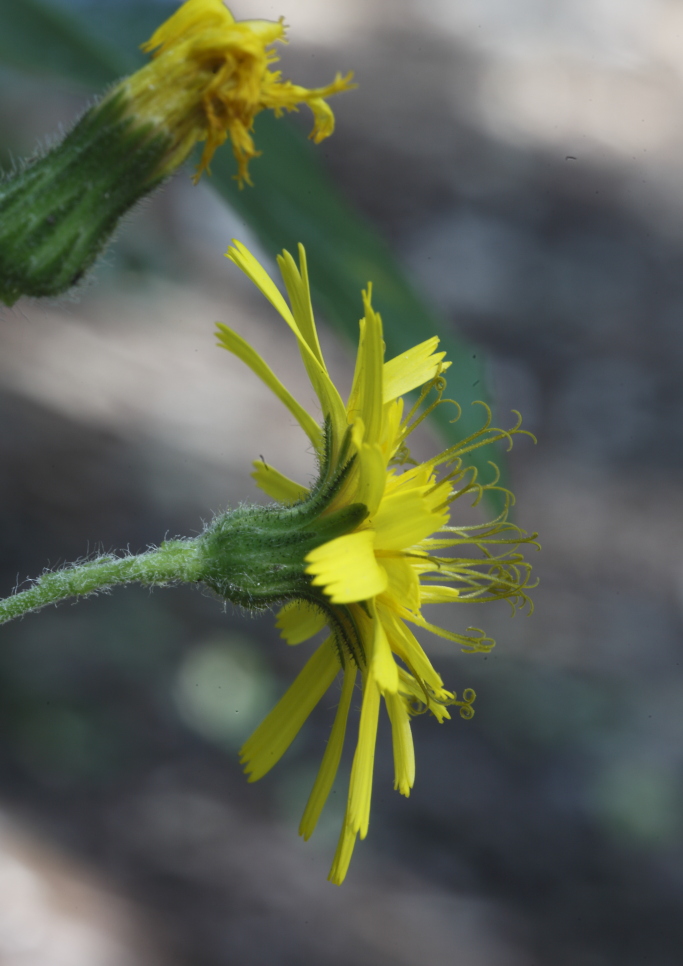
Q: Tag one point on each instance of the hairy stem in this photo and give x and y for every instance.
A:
(175, 560)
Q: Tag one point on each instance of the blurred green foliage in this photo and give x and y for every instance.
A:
(43, 39)
(223, 689)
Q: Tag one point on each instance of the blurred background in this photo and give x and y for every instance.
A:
(523, 158)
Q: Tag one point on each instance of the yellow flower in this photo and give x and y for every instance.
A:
(368, 585)
(210, 76)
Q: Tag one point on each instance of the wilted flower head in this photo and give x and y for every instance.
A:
(393, 550)
(211, 75)
(208, 79)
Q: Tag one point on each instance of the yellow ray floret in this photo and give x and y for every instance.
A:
(330, 763)
(412, 369)
(276, 733)
(347, 569)
(398, 552)
(276, 484)
(298, 621)
(211, 75)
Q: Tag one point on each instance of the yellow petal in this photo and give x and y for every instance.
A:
(366, 393)
(402, 741)
(413, 478)
(342, 857)
(278, 730)
(404, 585)
(360, 787)
(346, 568)
(404, 518)
(296, 283)
(330, 763)
(276, 484)
(240, 255)
(193, 15)
(412, 368)
(409, 649)
(234, 343)
(382, 666)
(284, 95)
(391, 428)
(298, 621)
(372, 476)
(346, 493)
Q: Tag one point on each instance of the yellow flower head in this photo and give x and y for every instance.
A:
(400, 553)
(210, 76)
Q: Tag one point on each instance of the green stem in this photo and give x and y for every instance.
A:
(175, 560)
(252, 556)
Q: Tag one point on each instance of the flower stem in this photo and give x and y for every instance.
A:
(175, 560)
